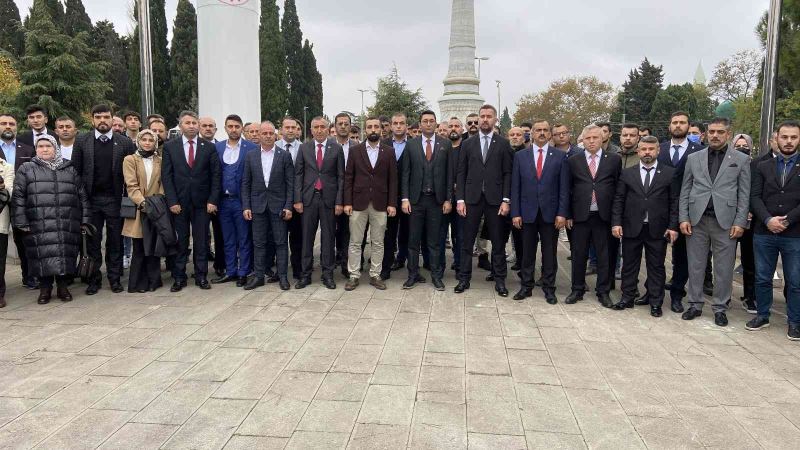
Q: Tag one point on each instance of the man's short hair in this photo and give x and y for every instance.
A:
(318, 119)
(400, 114)
(678, 113)
(185, 113)
(724, 121)
(355, 129)
(787, 124)
(34, 109)
(156, 120)
(233, 117)
(414, 126)
(372, 118)
(6, 114)
(603, 124)
(427, 112)
(341, 114)
(559, 125)
(648, 129)
(473, 114)
(152, 117)
(590, 127)
(530, 124)
(267, 122)
(488, 106)
(383, 119)
(285, 118)
(648, 140)
(132, 114)
(630, 125)
(457, 119)
(100, 109)
(699, 126)
(61, 119)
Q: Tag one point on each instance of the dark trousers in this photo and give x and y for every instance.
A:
(236, 236)
(342, 238)
(425, 221)
(455, 223)
(613, 254)
(3, 255)
(395, 240)
(593, 231)
(196, 220)
(145, 271)
(748, 264)
(60, 280)
(680, 268)
(105, 212)
(220, 262)
(317, 215)
(19, 241)
(270, 228)
(295, 227)
(655, 252)
(494, 223)
(533, 233)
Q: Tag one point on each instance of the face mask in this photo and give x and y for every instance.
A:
(527, 137)
(744, 150)
(693, 138)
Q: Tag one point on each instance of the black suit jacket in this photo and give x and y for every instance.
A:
(331, 175)
(604, 184)
(664, 158)
(83, 160)
(24, 154)
(769, 199)
(26, 137)
(256, 195)
(193, 187)
(413, 163)
(492, 179)
(659, 202)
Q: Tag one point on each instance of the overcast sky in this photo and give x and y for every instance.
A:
(529, 43)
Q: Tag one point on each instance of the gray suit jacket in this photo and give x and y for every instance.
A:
(730, 191)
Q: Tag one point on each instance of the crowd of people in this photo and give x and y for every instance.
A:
(254, 203)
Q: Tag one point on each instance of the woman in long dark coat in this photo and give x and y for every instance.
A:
(50, 206)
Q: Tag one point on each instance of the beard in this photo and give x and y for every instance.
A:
(679, 134)
(454, 136)
(7, 135)
(373, 137)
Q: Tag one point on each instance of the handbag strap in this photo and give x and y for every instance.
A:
(83, 242)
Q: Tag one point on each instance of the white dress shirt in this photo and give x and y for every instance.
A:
(536, 149)
(291, 147)
(598, 156)
(372, 152)
(425, 140)
(684, 146)
(148, 171)
(231, 154)
(346, 150)
(109, 134)
(66, 151)
(316, 146)
(267, 156)
(643, 174)
(186, 147)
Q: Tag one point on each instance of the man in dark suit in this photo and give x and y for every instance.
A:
(482, 191)
(37, 121)
(16, 153)
(190, 173)
(539, 207)
(292, 134)
(593, 182)
(267, 193)
(673, 153)
(452, 222)
(396, 237)
(342, 125)
(318, 187)
(97, 156)
(370, 195)
(645, 215)
(426, 188)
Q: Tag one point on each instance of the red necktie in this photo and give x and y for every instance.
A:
(593, 171)
(191, 154)
(539, 162)
(318, 184)
(428, 151)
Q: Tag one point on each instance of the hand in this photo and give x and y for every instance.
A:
(287, 214)
(247, 214)
(749, 216)
(617, 232)
(141, 206)
(569, 224)
(298, 207)
(686, 228)
(561, 222)
(517, 222)
(671, 235)
(348, 209)
(447, 207)
(391, 211)
(211, 208)
(176, 209)
(461, 208)
(504, 209)
(2, 186)
(406, 206)
(736, 232)
(338, 210)
(775, 224)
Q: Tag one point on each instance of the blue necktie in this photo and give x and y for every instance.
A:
(676, 157)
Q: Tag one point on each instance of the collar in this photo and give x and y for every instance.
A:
(238, 145)
(186, 140)
(371, 147)
(490, 135)
(599, 154)
(425, 139)
(44, 131)
(722, 150)
(267, 150)
(544, 149)
(405, 138)
(290, 144)
(13, 143)
(97, 134)
(317, 144)
(642, 166)
(683, 144)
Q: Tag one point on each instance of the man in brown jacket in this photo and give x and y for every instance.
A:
(370, 194)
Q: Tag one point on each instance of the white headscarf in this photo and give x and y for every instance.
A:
(57, 161)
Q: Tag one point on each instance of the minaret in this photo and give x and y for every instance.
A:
(461, 86)
(699, 75)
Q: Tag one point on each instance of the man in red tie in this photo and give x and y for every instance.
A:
(319, 184)
(539, 207)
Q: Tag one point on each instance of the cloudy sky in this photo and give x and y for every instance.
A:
(529, 43)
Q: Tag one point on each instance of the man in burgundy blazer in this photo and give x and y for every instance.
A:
(370, 195)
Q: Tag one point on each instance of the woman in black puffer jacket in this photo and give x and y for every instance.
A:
(50, 205)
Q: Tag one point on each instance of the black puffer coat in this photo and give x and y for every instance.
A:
(52, 204)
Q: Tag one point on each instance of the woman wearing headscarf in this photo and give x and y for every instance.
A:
(142, 173)
(744, 144)
(50, 207)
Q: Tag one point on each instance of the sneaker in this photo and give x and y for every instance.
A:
(562, 235)
(757, 323)
(749, 305)
(794, 333)
(126, 262)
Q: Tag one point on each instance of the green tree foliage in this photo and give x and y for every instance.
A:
(75, 18)
(183, 61)
(9, 82)
(274, 86)
(161, 67)
(107, 45)
(675, 97)
(393, 95)
(293, 46)
(639, 92)
(313, 82)
(505, 120)
(12, 36)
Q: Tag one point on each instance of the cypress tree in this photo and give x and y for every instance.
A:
(109, 46)
(183, 64)
(313, 81)
(293, 46)
(75, 18)
(12, 37)
(274, 88)
(158, 45)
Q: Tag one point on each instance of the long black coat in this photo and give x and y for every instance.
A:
(52, 204)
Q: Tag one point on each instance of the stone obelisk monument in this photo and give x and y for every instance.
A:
(461, 86)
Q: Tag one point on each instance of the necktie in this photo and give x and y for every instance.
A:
(539, 162)
(190, 160)
(429, 151)
(593, 171)
(318, 184)
(485, 148)
(647, 178)
(103, 138)
(676, 155)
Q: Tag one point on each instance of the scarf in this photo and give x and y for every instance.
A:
(57, 161)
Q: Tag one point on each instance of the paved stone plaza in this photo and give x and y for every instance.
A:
(386, 369)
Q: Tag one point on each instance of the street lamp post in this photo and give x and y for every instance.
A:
(479, 59)
(145, 58)
(362, 106)
(498, 95)
(305, 127)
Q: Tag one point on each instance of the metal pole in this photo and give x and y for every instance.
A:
(305, 129)
(145, 58)
(498, 96)
(770, 73)
(363, 118)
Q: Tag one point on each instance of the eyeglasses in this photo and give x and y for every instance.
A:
(561, 134)
(472, 122)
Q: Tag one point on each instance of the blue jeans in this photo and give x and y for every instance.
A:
(767, 249)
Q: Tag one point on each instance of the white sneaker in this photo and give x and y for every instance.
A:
(126, 262)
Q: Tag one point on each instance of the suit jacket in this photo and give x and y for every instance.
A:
(665, 158)
(413, 165)
(769, 199)
(364, 185)
(138, 188)
(256, 195)
(549, 194)
(331, 175)
(83, 160)
(245, 147)
(191, 187)
(24, 154)
(390, 143)
(26, 137)
(492, 179)
(604, 184)
(659, 203)
(730, 191)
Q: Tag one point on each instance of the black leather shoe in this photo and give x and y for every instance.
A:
(224, 279)
(643, 300)
(412, 281)
(329, 283)
(202, 284)
(516, 266)
(397, 265)
(574, 297)
(44, 296)
(240, 282)
(677, 305)
(691, 314)
(655, 311)
(721, 319)
(303, 282)
(490, 277)
(757, 323)
(461, 287)
(219, 272)
(177, 286)
(284, 284)
(92, 289)
(437, 284)
(116, 287)
(622, 304)
(253, 283)
(523, 293)
(500, 288)
(385, 275)
(550, 298)
(273, 278)
(605, 300)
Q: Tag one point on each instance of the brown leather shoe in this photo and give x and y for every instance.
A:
(64, 294)
(44, 295)
(377, 283)
(2, 302)
(351, 284)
